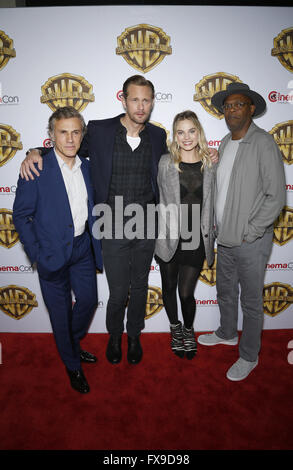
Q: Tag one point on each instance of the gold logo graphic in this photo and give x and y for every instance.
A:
(8, 235)
(143, 46)
(17, 301)
(283, 48)
(6, 49)
(283, 135)
(67, 90)
(9, 143)
(154, 302)
(208, 275)
(208, 86)
(276, 298)
(283, 227)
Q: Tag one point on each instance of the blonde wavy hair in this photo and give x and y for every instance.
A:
(203, 150)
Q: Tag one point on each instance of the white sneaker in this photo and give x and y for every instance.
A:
(240, 369)
(212, 339)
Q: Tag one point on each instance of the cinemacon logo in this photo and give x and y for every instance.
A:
(277, 97)
(5, 99)
(159, 96)
(206, 302)
(16, 269)
(155, 268)
(7, 190)
(48, 143)
(279, 266)
(214, 143)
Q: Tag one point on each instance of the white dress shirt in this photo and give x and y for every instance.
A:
(76, 192)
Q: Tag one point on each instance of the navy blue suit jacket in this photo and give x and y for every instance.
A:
(98, 145)
(43, 220)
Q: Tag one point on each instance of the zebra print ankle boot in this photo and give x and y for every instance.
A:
(177, 339)
(190, 346)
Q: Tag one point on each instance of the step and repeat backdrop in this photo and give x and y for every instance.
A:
(81, 56)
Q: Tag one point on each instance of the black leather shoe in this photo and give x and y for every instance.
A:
(78, 381)
(134, 353)
(114, 352)
(87, 357)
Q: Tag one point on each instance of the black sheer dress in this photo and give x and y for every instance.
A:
(191, 181)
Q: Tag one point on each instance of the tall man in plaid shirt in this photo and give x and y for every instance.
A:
(124, 152)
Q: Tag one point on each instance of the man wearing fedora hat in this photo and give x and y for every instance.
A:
(250, 193)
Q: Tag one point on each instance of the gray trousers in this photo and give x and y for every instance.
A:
(243, 266)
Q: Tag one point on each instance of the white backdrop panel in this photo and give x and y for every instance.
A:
(82, 41)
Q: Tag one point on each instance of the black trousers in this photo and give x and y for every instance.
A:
(127, 266)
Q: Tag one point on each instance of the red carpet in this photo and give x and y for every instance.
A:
(162, 403)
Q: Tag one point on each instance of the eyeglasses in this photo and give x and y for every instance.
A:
(236, 106)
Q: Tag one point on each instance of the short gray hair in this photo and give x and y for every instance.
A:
(65, 112)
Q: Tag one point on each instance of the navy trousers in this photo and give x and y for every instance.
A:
(70, 321)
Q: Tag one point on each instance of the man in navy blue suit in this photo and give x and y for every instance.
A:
(53, 216)
(124, 153)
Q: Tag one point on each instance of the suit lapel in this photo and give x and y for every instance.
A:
(173, 181)
(86, 177)
(56, 183)
(106, 144)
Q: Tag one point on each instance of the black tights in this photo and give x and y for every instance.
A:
(185, 277)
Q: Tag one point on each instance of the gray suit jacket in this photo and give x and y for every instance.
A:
(169, 187)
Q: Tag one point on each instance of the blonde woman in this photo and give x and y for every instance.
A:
(185, 179)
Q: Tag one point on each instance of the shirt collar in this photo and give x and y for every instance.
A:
(62, 163)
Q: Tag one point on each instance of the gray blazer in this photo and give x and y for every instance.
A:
(169, 187)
